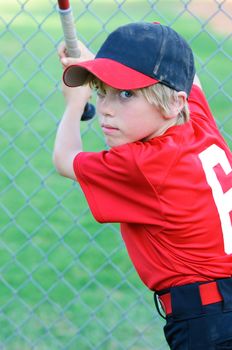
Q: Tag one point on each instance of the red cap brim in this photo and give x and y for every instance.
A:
(110, 72)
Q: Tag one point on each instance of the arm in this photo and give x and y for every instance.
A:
(68, 138)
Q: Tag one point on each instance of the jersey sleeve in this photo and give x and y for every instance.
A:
(199, 106)
(115, 188)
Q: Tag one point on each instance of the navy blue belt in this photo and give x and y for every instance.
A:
(209, 294)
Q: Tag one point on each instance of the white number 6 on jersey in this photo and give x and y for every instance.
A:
(212, 156)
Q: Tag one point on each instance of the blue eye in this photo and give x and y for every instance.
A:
(126, 93)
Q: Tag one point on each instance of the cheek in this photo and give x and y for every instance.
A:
(136, 130)
(140, 119)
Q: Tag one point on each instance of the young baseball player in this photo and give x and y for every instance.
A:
(166, 178)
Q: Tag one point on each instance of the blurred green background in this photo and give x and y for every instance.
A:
(66, 281)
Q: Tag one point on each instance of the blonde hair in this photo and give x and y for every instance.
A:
(159, 95)
(163, 97)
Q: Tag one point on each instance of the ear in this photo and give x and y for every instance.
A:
(180, 102)
(177, 105)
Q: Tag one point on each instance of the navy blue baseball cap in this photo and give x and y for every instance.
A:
(138, 55)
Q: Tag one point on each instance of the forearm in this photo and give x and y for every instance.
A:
(68, 141)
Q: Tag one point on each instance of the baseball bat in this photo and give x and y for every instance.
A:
(70, 38)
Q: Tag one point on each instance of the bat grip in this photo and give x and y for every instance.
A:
(73, 50)
(70, 36)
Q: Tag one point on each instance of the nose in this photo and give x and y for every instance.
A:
(105, 106)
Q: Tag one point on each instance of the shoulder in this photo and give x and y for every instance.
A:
(112, 163)
(130, 162)
(198, 104)
(196, 97)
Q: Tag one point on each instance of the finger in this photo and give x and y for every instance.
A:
(86, 54)
(62, 50)
(67, 61)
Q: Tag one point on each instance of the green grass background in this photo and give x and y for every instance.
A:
(66, 281)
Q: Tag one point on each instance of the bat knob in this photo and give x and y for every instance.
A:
(89, 112)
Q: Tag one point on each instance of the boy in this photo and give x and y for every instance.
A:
(167, 178)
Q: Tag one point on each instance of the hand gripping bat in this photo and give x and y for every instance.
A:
(70, 38)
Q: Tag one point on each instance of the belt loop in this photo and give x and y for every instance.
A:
(225, 288)
(158, 305)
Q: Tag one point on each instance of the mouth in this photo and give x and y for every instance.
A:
(108, 129)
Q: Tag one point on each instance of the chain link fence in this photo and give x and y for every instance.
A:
(66, 281)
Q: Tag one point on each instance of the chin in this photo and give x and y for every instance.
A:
(114, 144)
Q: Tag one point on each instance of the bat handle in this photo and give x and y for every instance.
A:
(70, 38)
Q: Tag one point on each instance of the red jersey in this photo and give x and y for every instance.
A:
(172, 196)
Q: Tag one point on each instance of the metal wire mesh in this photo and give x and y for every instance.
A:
(66, 281)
